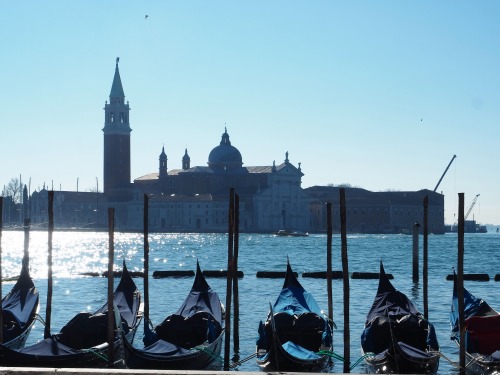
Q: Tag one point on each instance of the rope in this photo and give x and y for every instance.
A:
(471, 362)
(97, 354)
(40, 319)
(235, 364)
(209, 352)
(340, 358)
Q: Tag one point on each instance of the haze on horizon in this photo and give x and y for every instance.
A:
(378, 95)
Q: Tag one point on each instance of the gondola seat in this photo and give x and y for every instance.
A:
(310, 329)
(85, 330)
(482, 333)
(188, 332)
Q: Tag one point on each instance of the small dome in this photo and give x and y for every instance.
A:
(225, 156)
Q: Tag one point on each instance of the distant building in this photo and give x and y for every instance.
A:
(196, 198)
(377, 212)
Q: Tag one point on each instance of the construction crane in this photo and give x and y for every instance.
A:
(471, 207)
(446, 170)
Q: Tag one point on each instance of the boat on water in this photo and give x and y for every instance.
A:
(189, 339)
(295, 336)
(397, 338)
(482, 332)
(82, 342)
(19, 309)
(287, 233)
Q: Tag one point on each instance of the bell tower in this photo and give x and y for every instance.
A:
(117, 142)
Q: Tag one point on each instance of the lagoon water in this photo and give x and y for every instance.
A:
(77, 252)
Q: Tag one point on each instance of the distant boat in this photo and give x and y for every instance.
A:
(286, 233)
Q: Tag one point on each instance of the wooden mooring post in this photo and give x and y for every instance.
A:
(48, 309)
(26, 228)
(345, 277)
(1, 312)
(426, 257)
(329, 277)
(416, 230)
(460, 281)
(236, 318)
(111, 256)
(229, 285)
(146, 261)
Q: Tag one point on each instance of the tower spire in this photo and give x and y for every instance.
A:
(116, 87)
(116, 140)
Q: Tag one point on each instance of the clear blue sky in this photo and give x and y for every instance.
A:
(377, 94)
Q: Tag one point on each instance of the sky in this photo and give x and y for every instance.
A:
(375, 94)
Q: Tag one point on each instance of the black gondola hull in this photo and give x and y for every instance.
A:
(295, 336)
(399, 360)
(190, 339)
(71, 347)
(397, 338)
(196, 359)
(280, 360)
(19, 309)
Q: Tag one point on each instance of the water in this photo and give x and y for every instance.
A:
(78, 252)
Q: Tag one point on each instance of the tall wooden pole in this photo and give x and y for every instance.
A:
(416, 230)
(426, 256)
(460, 280)
(26, 228)
(236, 320)
(146, 261)
(329, 288)
(1, 295)
(345, 277)
(48, 310)
(229, 289)
(111, 255)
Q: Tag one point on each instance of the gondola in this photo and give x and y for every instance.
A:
(82, 342)
(397, 338)
(296, 336)
(482, 332)
(189, 339)
(19, 309)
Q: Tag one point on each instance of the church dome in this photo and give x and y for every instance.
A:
(225, 156)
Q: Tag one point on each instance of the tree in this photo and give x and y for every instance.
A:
(14, 190)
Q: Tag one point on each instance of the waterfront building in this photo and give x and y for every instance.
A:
(377, 212)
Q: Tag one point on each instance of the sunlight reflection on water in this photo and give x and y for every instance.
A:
(75, 253)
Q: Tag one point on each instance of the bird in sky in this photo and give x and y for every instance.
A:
(146, 17)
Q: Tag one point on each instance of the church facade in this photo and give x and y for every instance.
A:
(196, 198)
